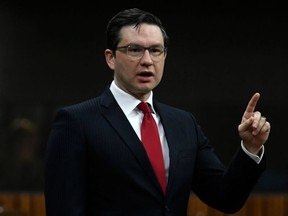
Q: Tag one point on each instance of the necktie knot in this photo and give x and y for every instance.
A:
(144, 107)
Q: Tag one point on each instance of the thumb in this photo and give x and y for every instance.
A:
(245, 125)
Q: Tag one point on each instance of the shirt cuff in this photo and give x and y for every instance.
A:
(256, 158)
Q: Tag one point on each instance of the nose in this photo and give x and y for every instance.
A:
(146, 57)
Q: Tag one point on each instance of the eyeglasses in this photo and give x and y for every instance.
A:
(136, 52)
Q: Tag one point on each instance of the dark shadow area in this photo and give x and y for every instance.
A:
(52, 55)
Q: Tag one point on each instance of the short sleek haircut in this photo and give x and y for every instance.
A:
(133, 16)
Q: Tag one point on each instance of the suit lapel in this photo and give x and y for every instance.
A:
(170, 129)
(113, 113)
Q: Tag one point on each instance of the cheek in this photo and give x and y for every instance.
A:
(123, 72)
(122, 69)
(121, 64)
(160, 71)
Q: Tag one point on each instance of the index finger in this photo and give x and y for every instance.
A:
(251, 106)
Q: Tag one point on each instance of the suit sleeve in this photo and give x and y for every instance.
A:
(65, 167)
(225, 189)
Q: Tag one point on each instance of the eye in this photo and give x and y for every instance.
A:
(156, 50)
(135, 49)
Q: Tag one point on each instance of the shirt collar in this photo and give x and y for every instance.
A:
(126, 101)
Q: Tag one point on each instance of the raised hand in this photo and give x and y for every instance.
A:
(254, 128)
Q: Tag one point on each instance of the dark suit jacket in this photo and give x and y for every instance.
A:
(96, 165)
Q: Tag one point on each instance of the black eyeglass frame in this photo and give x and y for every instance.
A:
(143, 49)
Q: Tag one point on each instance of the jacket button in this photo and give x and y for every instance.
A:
(167, 210)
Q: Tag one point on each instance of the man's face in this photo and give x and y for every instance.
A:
(141, 74)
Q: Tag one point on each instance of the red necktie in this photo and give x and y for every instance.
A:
(151, 142)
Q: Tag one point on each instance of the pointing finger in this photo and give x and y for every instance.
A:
(251, 106)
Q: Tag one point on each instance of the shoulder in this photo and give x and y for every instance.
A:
(83, 106)
(160, 107)
(174, 112)
(90, 105)
(80, 110)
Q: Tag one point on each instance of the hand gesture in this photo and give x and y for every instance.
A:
(254, 128)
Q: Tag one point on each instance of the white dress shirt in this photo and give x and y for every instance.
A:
(128, 104)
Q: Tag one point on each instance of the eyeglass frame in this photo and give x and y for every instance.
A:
(126, 47)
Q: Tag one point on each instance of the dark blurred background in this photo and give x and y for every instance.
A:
(52, 55)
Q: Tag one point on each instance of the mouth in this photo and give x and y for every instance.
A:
(145, 74)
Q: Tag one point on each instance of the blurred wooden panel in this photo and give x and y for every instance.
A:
(196, 207)
(25, 204)
(38, 207)
(22, 204)
(256, 205)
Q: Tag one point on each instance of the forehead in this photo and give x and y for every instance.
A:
(144, 33)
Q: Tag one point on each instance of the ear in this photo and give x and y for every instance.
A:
(109, 56)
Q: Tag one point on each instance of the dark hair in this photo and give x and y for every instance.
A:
(133, 16)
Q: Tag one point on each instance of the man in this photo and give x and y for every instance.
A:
(97, 165)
